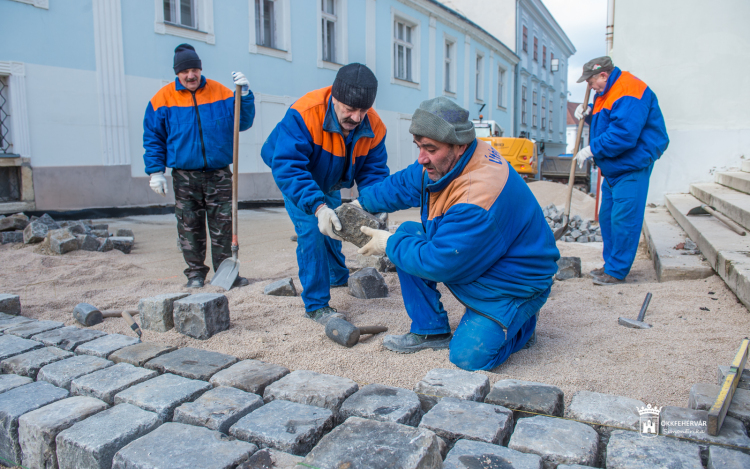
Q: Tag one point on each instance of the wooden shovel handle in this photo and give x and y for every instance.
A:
(235, 166)
(576, 149)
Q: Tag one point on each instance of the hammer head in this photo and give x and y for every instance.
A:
(632, 323)
(87, 314)
(342, 332)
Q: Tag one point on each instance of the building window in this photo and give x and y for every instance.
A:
(550, 115)
(5, 142)
(544, 112)
(525, 39)
(402, 50)
(544, 57)
(551, 58)
(523, 105)
(534, 104)
(500, 87)
(328, 29)
(270, 29)
(265, 24)
(191, 19)
(479, 78)
(180, 12)
(536, 49)
(450, 67)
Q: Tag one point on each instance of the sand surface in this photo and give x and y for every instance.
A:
(547, 192)
(580, 345)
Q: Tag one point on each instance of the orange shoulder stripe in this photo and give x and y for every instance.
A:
(169, 96)
(364, 145)
(626, 85)
(312, 107)
(481, 182)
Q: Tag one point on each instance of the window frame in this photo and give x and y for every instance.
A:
(341, 42)
(525, 39)
(551, 114)
(544, 56)
(551, 58)
(450, 74)
(534, 104)
(282, 25)
(204, 22)
(536, 49)
(543, 114)
(479, 77)
(524, 102)
(501, 87)
(416, 30)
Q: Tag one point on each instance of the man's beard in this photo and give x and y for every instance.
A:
(346, 120)
(451, 157)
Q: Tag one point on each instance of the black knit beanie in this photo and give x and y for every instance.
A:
(356, 86)
(185, 57)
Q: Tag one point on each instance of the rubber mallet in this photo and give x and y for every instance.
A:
(345, 333)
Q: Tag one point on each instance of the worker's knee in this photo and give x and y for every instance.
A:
(475, 358)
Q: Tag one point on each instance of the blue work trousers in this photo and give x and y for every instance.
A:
(321, 263)
(479, 343)
(621, 220)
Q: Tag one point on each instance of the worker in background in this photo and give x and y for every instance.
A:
(482, 234)
(627, 135)
(189, 127)
(329, 139)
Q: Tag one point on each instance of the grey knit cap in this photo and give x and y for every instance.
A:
(444, 121)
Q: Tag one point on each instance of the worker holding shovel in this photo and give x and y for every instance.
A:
(188, 127)
(627, 136)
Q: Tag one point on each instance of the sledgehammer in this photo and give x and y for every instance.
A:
(345, 333)
(638, 323)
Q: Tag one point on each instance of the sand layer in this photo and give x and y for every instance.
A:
(580, 345)
(547, 192)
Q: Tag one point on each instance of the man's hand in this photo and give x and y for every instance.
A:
(327, 220)
(158, 183)
(239, 79)
(356, 203)
(582, 111)
(583, 155)
(376, 246)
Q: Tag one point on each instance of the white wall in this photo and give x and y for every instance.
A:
(497, 17)
(695, 55)
(571, 133)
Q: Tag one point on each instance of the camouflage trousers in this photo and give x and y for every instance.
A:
(199, 197)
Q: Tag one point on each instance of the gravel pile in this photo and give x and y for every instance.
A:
(579, 230)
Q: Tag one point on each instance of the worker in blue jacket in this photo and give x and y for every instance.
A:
(189, 127)
(627, 135)
(329, 139)
(482, 234)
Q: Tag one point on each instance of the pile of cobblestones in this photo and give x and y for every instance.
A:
(579, 230)
(80, 398)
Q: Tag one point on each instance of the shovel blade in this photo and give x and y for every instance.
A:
(561, 231)
(228, 272)
(698, 211)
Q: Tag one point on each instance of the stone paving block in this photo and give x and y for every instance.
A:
(10, 304)
(352, 219)
(379, 263)
(568, 267)
(28, 329)
(180, 446)
(369, 444)
(156, 312)
(283, 287)
(202, 315)
(191, 363)
(454, 419)
(124, 232)
(441, 382)
(68, 338)
(468, 454)
(104, 346)
(284, 425)
(139, 354)
(218, 409)
(383, 403)
(367, 284)
(8, 382)
(105, 245)
(88, 242)
(62, 241)
(105, 384)
(557, 441)
(268, 458)
(29, 363)
(703, 396)
(35, 232)
(574, 466)
(311, 388)
(8, 237)
(249, 375)
(61, 373)
(13, 321)
(689, 423)
(162, 394)
(102, 234)
(744, 377)
(526, 396)
(724, 458)
(10, 346)
(87, 315)
(122, 243)
(38, 429)
(630, 450)
(15, 403)
(13, 223)
(92, 443)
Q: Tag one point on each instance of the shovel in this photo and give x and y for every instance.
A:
(571, 180)
(229, 269)
(708, 210)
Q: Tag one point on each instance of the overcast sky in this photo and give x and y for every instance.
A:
(585, 23)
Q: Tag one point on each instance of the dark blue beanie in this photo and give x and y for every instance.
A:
(356, 86)
(185, 57)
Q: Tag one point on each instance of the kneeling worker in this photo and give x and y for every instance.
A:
(482, 234)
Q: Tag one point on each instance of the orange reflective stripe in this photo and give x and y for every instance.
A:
(312, 107)
(626, 85)
(169, 96)
(364, 145)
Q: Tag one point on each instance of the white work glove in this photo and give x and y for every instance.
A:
(239, 79)
(583, 155)
(582, 111)
(158, 183)
(376, 246)
(356, 203)
(327, 220)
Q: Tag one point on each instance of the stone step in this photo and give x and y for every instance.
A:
(737, 180)
(746, 166)
(734, 204)
(662, 234)
(725, 250)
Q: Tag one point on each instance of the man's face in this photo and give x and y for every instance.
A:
(437, 158)
(349, 117)
(190, 78)
(598, 82)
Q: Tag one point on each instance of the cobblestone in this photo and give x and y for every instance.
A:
(191, 363)
(218, 409)
(8, 382)
(10, 346)
(383, 403)
(630, 450)
(468, 454)
(162, 394)
(61, 373)
(454, 419)
(68, 338)
(105, 384)
(139, 354)
(103, 347)
(28, 329)
(29, 363)
(249, 375)
(311, 388)
(156, 312)
(526, 396)
(441, 382)
(201, 316)
(557, 441)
